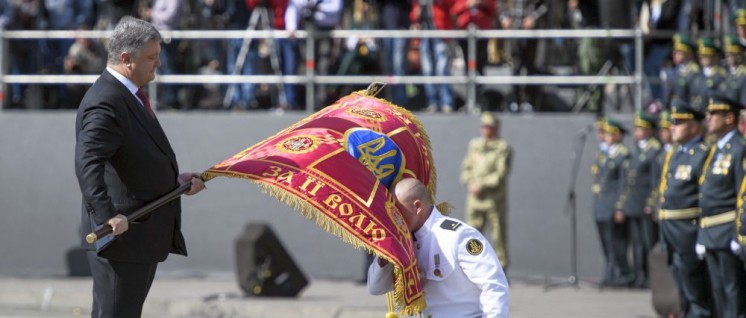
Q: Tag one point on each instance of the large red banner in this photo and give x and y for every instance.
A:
(336, 166)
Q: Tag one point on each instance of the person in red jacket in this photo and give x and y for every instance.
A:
(481, 13)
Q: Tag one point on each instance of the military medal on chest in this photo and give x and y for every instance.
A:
(436, 271)
(683, 172)
(722, 164)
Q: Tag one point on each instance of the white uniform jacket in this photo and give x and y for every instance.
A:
(460, 273)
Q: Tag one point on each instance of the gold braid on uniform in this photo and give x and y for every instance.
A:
(707, 164)
(662, 186)
(739, 209)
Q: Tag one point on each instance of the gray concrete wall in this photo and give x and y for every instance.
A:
(39, 195)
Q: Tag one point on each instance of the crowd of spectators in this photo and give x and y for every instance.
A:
(356, 55)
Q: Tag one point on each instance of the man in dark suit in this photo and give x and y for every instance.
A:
(123, 160)
(722, 177)
(679, 211)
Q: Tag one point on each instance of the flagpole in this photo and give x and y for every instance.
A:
(143, 211)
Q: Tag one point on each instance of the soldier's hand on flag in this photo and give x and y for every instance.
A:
(197, 183)
(118, 224)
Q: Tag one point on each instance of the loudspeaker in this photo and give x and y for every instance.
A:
(263, 266)
(76, 260)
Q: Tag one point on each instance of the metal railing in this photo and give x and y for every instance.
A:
(471, 79)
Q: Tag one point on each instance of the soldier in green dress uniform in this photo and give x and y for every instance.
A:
(612, 175)
(687, 69)
(736, 69)
(679, 210)
(712, 79)
(722, 175)
(639, 184)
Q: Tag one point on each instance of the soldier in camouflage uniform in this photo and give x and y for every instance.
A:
(679, 211)
(737, 69)
(612, 174)
(712, 79)
(637, 189)
(687, 70)
(484, 172)
(723, 174)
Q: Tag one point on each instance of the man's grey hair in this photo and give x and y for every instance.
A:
(130, 35)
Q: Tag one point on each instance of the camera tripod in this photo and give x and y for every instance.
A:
(260, 17)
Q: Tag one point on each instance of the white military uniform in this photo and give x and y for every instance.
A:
(460, 273)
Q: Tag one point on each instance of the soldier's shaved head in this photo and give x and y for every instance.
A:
(410, 189)
(415, 199)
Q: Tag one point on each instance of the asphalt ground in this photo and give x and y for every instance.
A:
(218, 295)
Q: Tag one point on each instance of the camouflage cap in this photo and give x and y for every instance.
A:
(489, 119)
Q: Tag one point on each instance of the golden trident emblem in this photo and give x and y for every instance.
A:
(372, 161)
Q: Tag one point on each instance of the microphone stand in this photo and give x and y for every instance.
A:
(571, 209)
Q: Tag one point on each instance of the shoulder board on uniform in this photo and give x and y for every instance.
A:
(450, 225)
(741, 70)
(691, 67)
(654, 144)
(619, 150)
(720, 70)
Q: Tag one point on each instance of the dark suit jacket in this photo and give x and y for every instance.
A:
(123, 160)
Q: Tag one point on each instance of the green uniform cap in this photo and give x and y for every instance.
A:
(707, 47)
(682, 111)
(733, 45)
(740, 16)
(644, 120)
(719, 103)
(614, 127)
(682, 43)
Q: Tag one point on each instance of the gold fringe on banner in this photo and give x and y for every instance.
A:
(323, 221)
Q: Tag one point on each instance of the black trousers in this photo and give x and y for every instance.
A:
(604, 233)
(727, 276)
(523, 52)
(620, 245)
(688, 270)
(119, 288)
(643, 233)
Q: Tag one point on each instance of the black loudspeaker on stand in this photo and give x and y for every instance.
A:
(263, 266)
(571, 209)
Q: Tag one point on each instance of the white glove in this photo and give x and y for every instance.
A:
(735, 247)
(700, 249)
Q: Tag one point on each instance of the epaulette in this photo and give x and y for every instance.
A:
(691, 67)
(618, 150)
(654, 144)
(741, 70)
(721, 70)
(450, 225)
